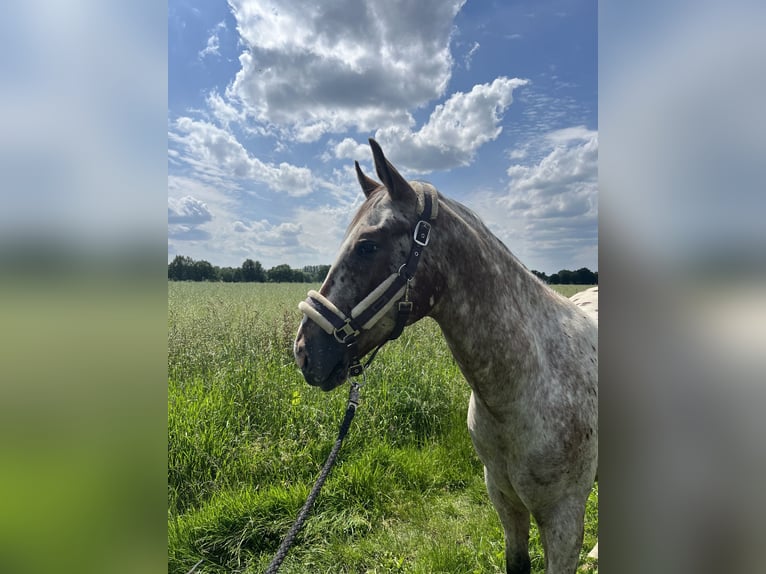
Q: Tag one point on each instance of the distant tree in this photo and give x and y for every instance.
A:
(565, 277)
(298, 276)
(226, 274)
(322, 273)
(194, 272)
(204, 271)
(315, 273)
(280, 274)
(584, 276)
(253, 271)
(184, 268)
(181, 268)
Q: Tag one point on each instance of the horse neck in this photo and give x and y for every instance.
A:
(488, 298)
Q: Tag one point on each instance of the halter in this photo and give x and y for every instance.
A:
(346, 329)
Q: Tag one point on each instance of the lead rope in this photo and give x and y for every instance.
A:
(353, 403)
(289, 539)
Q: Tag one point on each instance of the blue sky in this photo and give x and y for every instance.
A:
(270, 102)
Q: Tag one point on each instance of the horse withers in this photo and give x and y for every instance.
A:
(529, 355)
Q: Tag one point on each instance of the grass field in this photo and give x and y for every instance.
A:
(247, 438)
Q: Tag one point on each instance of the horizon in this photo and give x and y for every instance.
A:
(317, 265)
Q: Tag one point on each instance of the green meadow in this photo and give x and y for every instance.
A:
(247, 438)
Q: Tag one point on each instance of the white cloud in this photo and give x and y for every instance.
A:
(544, 110)
(323, 228)
(274, 243)
(312, 68)
(211, 47)
(187, 233)
(350, 148)
(224, 112)
(188, 210)
(469, 55)
(185, 216)
(455, 130)
(549, 214)
(519, 153)
(220, 228)
(215, 153)
(571, 166)
(263, 233)
(213, 42)
(567, 135)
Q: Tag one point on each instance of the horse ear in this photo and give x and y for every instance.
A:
(368, 184)
(397, 186)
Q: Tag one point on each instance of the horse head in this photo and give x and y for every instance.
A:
(356, 308)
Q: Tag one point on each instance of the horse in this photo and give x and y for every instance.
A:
(529, 355)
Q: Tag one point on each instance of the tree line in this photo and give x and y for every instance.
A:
(184, 268)
(187, 269)
(582, 276)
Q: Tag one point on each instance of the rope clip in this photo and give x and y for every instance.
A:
(353, 394)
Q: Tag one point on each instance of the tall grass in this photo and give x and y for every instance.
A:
(247, 438)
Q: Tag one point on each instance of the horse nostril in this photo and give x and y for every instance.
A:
(303, 360)
(301, 357)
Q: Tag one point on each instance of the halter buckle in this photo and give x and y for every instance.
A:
(422, 233)
(346, 333)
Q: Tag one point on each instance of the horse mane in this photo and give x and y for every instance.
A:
(473, 221)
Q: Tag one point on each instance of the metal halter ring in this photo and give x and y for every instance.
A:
(363, 376)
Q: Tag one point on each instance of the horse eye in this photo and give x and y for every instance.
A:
(366, 248)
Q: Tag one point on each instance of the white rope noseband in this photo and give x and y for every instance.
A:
(312, 313)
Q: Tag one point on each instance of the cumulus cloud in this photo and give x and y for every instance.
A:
(453, 133)
(187, 233)
(215, 152)
(568, 173)
(185, 216)
(223, 111)
(267, 241)
(266, 234)
(323, 227)
(549, 212)
(312, 68)
(188, 210)
(349, 148)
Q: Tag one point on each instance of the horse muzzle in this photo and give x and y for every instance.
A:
(323, 362)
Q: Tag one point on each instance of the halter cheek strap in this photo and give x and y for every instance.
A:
(374, 306)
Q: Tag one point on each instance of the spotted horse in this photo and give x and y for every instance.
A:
(529, 355)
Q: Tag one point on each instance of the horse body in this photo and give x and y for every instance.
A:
(530, 358)
(528, 354)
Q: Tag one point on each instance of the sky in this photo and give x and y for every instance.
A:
(270, 103)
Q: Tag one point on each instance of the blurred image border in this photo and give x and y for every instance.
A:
(83, 294)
